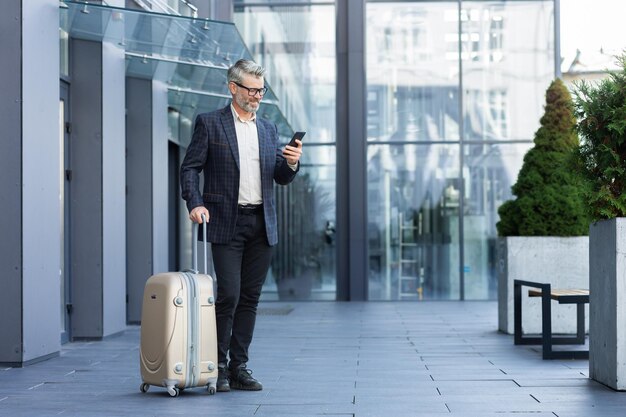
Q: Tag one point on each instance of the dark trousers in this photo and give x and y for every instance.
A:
(240, 268)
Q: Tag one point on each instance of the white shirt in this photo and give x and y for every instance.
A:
(249, 160)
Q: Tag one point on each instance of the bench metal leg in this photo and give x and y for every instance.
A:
(546, 339)
(568, 354)
(517, 313)
(546, 323)
(518, 337)
(580, 323)
(549, 340)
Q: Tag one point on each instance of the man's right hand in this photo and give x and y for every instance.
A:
(197, 212)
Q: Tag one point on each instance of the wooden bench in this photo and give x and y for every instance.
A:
(547, 340)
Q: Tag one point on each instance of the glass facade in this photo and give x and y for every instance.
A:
(454, 95)
(296, 45)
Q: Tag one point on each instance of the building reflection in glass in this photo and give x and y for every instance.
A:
(450, 116)
(296, 44)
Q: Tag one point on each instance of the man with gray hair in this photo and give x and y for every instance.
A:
(240, 156)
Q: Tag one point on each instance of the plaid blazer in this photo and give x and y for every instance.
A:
(213, 150)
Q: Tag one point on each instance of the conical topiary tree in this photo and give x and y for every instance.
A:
(549, 193)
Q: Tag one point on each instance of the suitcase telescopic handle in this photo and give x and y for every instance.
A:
(194, 245)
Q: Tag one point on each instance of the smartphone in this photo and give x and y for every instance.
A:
(297, 135)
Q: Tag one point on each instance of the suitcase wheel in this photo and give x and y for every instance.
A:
(144, 387)
(173, 391)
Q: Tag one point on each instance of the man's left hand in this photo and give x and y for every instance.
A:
(292, 154)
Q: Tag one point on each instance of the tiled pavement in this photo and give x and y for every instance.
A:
(329, 359)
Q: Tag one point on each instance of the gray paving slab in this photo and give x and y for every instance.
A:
(286, 410)
(522, 405)
(402, 407)
(373, 359)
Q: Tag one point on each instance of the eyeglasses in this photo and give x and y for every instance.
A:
(253, 91)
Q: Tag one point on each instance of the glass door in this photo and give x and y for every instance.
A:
(413, 150)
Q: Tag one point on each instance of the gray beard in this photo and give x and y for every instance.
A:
(245, 105)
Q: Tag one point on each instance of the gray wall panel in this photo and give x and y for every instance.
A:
(221, 10)
(41, 179)
(214, 9)
(139, 192)
(10, 182)
(204, 8)
(114, 190)
(86, 149)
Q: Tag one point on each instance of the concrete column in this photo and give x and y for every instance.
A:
(98, 222)
(139, 233)
(10, 183)
(86, 189)
(30, 154)
(147, 185)
(113, 190)
(607, 302)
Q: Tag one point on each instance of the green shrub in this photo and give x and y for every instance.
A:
(601, 112)
(549, 193)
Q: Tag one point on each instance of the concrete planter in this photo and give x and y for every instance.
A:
(560, 261)
(607, 301)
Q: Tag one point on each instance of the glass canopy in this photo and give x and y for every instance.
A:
(190, 55)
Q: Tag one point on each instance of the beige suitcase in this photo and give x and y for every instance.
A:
(178, 332)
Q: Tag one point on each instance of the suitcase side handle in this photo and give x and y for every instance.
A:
(194, 245)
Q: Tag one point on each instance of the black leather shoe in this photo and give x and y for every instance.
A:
(222, 379)
(241, 378)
